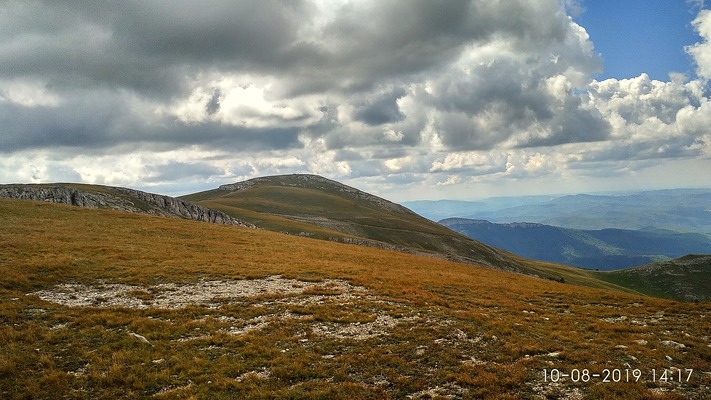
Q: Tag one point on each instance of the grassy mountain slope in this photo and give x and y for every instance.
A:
(604, 249)
(310, 205)
(685, 278)
(107, 304)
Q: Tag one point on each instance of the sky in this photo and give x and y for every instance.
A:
(654, 44)
(405, 99)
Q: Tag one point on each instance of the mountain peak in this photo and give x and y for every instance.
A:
(300, 180)
(315, 182)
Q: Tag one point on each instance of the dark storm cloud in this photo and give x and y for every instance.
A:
(372, 42)
(89, 122)
(680, 147)
(406, 37)
(508, 101)
(381, 110)
(152, 46)
(500, 82)
(180, 170)
(149, 46)
(102, 122)
(213, 105)
(572, 124)
(232, 138)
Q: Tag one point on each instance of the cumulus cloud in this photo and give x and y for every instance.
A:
(701, 52)
(653, 119)
(149, 93)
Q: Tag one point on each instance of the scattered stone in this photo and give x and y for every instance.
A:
(640, 342)
(140, 338)
(674, 344)
(171, 391)
(448, 391)
(263, 374)
(358, 331)
(191, 338)
(615, 320)
(473, 361)
(460, 335)
(79, 372)
(555, 390)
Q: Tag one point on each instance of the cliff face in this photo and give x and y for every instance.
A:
(118, 198)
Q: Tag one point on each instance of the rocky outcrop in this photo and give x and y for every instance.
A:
(118, 198)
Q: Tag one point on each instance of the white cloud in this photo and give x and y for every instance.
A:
(701, 52)
(474, 162)
(537, 162)
(652, 119)
(28, 93)
(451, 180)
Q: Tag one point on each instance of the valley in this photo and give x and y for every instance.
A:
(603, 249)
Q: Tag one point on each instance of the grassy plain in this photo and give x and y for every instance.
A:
(397, 326)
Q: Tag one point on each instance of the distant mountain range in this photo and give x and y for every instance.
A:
(603, 249)
(680, 210)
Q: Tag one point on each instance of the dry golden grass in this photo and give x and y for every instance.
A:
(409, 326)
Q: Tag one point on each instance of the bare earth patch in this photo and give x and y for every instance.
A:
(278, 291)
(174, 296)
(359, 330)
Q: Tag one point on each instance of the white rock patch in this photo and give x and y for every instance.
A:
(175, 296)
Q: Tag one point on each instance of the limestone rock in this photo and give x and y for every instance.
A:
(118, 198)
